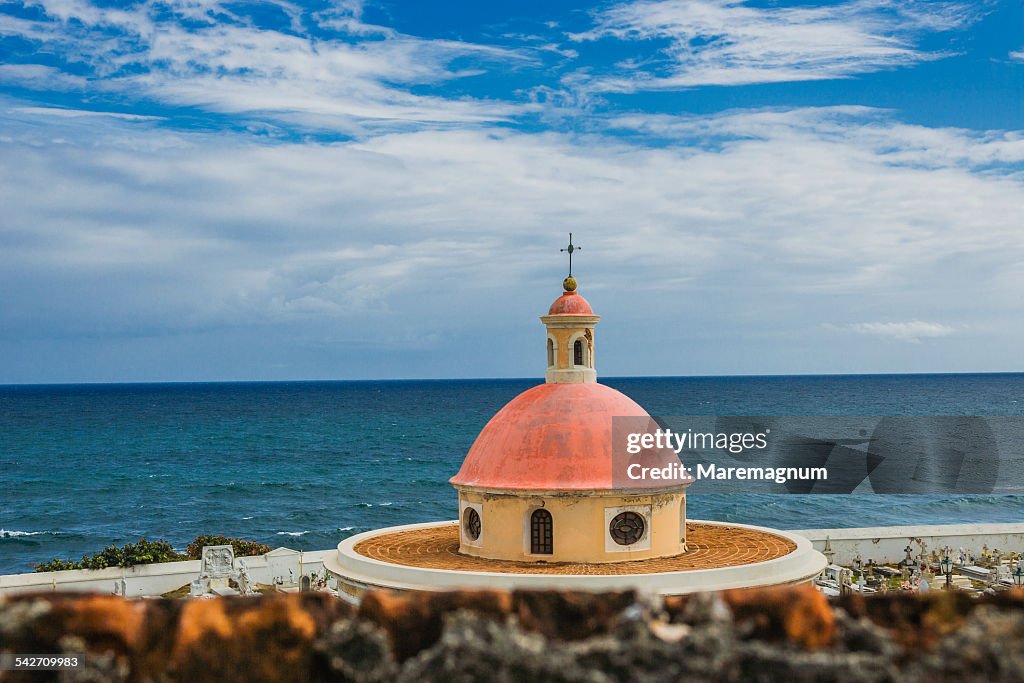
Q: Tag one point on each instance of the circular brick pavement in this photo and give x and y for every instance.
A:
(709, 546)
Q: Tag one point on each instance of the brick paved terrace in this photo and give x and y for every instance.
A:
(710, 546)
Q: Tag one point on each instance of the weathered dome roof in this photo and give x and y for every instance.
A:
(570, 303)
(554, 437)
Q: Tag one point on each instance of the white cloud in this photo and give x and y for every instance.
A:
(728, 42)
(82, 113)
(751, 226)
(1017, 55)
(345, 76)
(745, 228)
(39, 76)
(870, 133)
(912, 331)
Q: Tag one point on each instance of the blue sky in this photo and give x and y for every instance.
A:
(204, 190)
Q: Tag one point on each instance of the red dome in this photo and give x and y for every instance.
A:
(555, 436)
(570, 303)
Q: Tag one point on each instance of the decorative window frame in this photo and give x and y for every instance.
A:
(528, 530)
(554, 348)
(682, 521)
(588, 361)
(463, 536)
(610, 546)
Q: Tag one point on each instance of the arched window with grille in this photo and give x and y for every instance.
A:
(577, 353)
(541, 533)
(551, 352)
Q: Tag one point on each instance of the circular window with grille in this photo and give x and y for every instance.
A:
(471, 523)
(626, 528)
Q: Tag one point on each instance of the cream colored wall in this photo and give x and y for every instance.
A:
(565, 339)
(579, 528)
(561, 338)
(564, 330)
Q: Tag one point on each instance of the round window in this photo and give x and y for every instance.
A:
(471, 523)
(626, 528)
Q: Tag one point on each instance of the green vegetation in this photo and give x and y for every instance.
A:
(149, 552)
(242, 547)
(128, 555)
(57, 566)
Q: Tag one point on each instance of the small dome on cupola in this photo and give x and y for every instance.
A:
(570, 303)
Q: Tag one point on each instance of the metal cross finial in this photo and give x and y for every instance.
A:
(571, 248)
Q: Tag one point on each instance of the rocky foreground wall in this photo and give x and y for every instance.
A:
(789, 634)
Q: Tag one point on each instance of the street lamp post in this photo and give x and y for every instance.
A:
(947, 568)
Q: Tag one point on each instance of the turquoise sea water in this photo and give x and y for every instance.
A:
(305, 464)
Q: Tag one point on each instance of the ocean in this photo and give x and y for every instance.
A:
(306, 464)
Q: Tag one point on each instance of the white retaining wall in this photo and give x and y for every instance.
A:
(156, 579)
(886, 543)
(881, 544)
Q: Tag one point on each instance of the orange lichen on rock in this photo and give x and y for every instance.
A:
(778, 634)
(281, 616)
(200, 621)
(253, 638)
(567, 615)
(918, 623)
(110, 621)
(413, 621)
(801, 613)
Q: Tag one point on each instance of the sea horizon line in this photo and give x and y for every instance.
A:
(540, 379)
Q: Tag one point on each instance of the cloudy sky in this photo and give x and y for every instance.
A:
(206, 190)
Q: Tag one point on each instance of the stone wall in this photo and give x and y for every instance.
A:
(786, 634)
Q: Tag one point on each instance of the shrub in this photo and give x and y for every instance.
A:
(149, 552)
(128, 555)
(242, 547)
(57, 566)
(131, 554)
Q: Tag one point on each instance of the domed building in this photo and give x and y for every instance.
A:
(544, 502)
(540, 484)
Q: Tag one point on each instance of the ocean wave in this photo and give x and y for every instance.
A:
(4, 533)
(292, 533)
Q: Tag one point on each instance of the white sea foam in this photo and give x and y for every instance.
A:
(4, 533)
(292, 533)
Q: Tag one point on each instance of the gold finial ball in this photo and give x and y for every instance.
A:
(569, 284)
